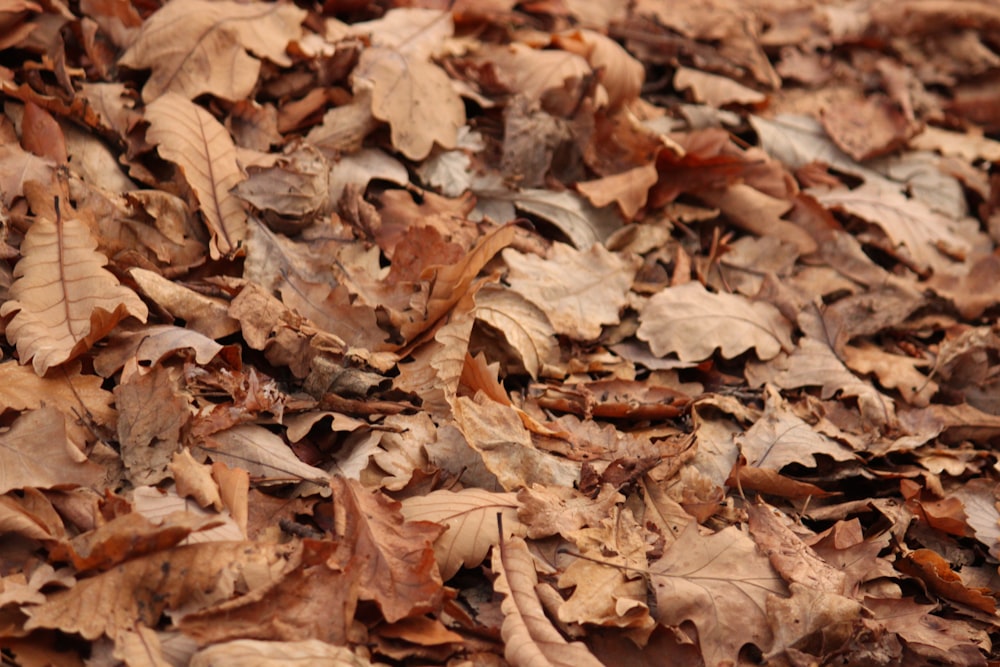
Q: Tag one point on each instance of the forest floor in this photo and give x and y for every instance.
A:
(553, 333)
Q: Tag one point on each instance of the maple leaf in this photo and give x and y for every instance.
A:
(721, 583)
(202, 147)
(63, 297)
(185, 39)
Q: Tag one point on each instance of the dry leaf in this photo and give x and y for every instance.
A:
(255, 653)
(720, 583)
(530, 640)
(692, 322)
(578, 291)
(185, 40)
(35, 452)
(189, 136)
(470, 516)
(63, 297)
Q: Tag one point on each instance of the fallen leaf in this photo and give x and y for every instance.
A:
(183, 40)
(530, 640)
(35, 452)
(62, 298)
(692, 322)
(470, 516)
(191, 137)
(722, 584)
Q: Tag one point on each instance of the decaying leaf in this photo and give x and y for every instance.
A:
(62, 298)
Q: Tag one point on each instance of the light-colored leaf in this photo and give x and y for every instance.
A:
(415, 97)
(530, 639)
(256, 653)
(471, 518)
(263, 454)
(191, 137)
(578, 291)
(200, 46)
(35, 452)
(63, 297)
(722, 584)
(693, 322)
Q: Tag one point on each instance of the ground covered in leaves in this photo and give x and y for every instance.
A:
(570, 333)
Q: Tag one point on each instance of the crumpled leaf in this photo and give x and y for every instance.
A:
(191, 137)
(722, 584)
(63, 297)
(470, 516)
(530, 639)
(393, 557)
(780, 437)
(927, 236)
(186, 42)
(693, 322)
(139, 590)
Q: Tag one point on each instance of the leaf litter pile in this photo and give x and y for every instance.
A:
(565, 333)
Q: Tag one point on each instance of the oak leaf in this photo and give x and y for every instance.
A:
(579, 291)
(530, 639)
(186, 40)
(193, 139)
(722, 584)
(256, 653)
(692, 322)
(63, 297)
(470, 516)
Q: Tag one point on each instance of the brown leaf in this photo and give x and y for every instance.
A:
(693, 322)
(414, 96)
(191, 137)
(41, 134)
(393, 558)
(256, 653)
(628, 189)
(35, 452)
(139, 590)
(530, 640)
(578, 290)
(183, 41)
(470, 518)
(722, 584)
(63, 297)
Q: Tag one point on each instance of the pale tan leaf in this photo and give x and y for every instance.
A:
(621, 74)
(715, 90)
(530, 639)
(191, 137)
(524, 326)
(722, 584)
(263, 454)
(414, 96)
(194, 480)
(627, 189)
(780, 437)
(199, 46)
(71, 392)
(35, 452)
(63, 297)
(256, 653)
(498, 434)
(471, 518)
(166, 508)
(578, 291)
(412, 30)
(693, 322)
